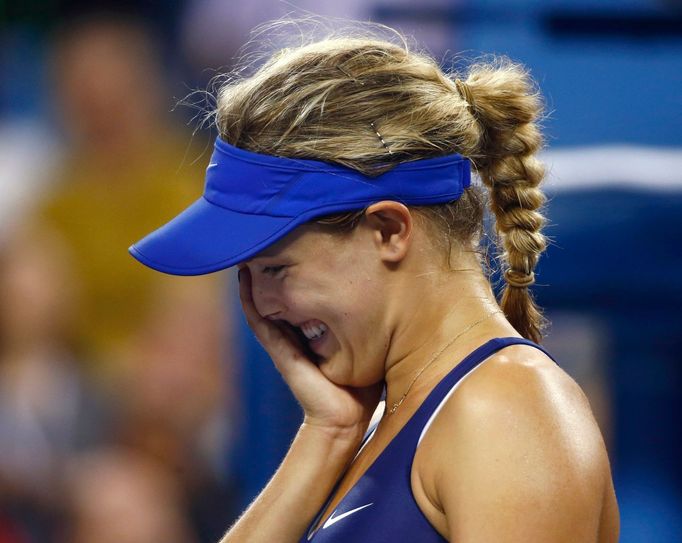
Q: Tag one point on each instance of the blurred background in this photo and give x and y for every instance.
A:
(137, 407)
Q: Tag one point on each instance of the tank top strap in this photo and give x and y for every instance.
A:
(418, 424)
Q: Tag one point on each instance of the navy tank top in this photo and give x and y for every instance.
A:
(380, 507)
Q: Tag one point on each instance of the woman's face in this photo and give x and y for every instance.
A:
(317, 281)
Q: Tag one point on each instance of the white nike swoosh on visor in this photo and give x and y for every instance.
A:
(333, 520)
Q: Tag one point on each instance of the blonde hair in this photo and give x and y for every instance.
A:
(368, 103)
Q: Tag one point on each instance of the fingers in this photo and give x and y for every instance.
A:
(261, 327)
(280, 342)
(246, 297)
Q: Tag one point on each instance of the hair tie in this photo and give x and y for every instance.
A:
(519, 279)
(465, 93)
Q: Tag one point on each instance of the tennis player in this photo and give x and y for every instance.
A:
(341, 187)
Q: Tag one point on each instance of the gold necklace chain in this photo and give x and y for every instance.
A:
(436, 355)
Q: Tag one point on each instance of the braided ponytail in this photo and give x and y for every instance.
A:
(506, 108)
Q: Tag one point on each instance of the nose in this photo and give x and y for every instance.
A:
(266, 296)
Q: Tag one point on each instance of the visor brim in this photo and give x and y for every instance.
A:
(206, 238)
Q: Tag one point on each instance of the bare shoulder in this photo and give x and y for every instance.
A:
(516, 453)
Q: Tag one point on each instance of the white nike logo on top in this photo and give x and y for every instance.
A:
(333, 520)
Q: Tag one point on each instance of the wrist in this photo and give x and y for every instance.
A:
(340, 437)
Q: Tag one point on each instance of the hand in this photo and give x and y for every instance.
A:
(338, 409)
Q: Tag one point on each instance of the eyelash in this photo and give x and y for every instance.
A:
(273, 270)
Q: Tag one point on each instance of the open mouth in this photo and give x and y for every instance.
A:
(306, 343)
(314, 330)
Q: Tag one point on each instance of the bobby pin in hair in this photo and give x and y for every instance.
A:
(381, 138)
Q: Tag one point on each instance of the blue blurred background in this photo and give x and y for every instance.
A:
(125, 394)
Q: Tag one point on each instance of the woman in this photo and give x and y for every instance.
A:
(340, 186)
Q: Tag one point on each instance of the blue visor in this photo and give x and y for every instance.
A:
(252, 200)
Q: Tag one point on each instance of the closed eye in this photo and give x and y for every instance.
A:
(273, 270)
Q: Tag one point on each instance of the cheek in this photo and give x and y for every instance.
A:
(363, 340)
(373, 324)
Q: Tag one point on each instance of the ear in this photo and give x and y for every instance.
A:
(391, 226)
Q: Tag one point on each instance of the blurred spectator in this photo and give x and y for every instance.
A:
(172, 400)
(178, 395)
(120, 496)
(156, 345)
(48, 410)
(176, 382)
(126, 170)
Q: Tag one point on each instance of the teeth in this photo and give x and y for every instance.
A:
(314, 331)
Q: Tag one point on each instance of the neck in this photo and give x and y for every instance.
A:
(444, 307)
